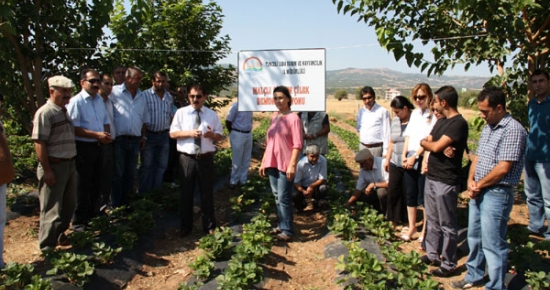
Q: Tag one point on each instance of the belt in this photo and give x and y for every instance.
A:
(198, 156)
(129, 137)
(158, 132)
(372, 145)
(244, 132)
(54, 160)
(85, 143)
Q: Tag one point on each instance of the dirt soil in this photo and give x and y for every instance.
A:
(299, 264)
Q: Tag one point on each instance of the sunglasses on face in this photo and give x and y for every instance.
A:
(195, 96)
(93, 81)
(420, 97)
(368, 98)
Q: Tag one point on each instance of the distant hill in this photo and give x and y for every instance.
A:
(384, 77)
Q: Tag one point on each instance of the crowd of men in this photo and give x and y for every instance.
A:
(88, 147)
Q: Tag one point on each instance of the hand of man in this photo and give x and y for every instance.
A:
(104, 138)
(49, 177)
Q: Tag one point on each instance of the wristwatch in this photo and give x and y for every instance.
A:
(416, 156)
(374, 187)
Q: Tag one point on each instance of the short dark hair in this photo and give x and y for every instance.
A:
(285, 91)
(159, 73)
(495, 96)
(449, 95)
(368, 90)
(85, 71)
(540, 72)
(401, 102)
(198, 87)
(103, 75)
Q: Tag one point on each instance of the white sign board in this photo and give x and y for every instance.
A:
(301, 70)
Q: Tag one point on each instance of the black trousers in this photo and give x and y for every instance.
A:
(397, 207)
(90, 179)
(197, 171)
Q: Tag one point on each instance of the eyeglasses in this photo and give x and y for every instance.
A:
(368, 98)
(195, 96)
(419, 97)
(108, 83)
(93, 81)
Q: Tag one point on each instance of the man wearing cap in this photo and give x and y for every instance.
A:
(131, 116)
(154, 157)
(91, 123)
(54, 141)
(373, 124)
(310, 179)
(239, 125)
(372, 181)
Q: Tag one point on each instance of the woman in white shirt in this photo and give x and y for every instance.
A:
(420, 125)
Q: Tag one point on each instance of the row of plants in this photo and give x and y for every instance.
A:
(361, 269)
(349, 137)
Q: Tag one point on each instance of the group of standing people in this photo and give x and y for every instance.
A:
(422, 166)
(88, 146)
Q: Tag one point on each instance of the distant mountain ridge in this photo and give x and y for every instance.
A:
(384, 77)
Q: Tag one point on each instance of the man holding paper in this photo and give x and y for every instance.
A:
(196, 128)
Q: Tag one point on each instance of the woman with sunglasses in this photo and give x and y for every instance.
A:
(283, 147)
(419, 127)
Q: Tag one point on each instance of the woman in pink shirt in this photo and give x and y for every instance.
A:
(284, 144)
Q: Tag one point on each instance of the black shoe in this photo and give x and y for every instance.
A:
(232, 186)
(462, 284)
(441, 272)
(428, 262)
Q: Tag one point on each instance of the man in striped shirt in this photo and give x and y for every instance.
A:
(154, 157)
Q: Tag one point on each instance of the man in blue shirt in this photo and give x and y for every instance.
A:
(239, 125)
(130, 115)
(537, 156)
(495, 171)
(91, 121)
(154, 157)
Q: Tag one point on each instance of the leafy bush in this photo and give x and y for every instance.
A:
(17, 275)
(218, 244)
(74, 267)
(341, 94)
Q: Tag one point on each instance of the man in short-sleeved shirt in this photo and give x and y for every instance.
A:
(442, 181)
(54, 141)
(495, 171)
(196, 128)
(154, 157)
(92, 130)
(130, 115)
(311, 175)
(372, 183)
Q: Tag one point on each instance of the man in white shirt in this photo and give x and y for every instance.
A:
(196, 128)
(372, 179)
(373, 124)
(310, 179)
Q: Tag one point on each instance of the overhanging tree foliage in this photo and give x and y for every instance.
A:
(35, 37)
(510, 36)
(180, 37)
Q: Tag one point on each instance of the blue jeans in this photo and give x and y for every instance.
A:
(488, 217)
(537, 190)
(282, 190)
(126, 158)
(154, 160)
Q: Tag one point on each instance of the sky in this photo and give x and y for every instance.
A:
(294, 24)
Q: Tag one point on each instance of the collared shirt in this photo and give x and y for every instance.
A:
(374, 126)
(160, 110)
(52, 124)
(284, 135)
(420, 126)
(538, 141)
(129, 113)
(307, 173)
(502, 142)
(109, 109)
(184, 120)
(376, 174)
(241, 121)
(89, 113)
